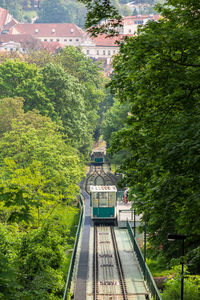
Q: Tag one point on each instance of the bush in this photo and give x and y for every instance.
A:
(172, 289)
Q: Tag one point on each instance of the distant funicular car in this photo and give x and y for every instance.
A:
(103, 202)
(97, 156)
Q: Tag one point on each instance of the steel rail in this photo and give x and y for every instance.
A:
(95, 264)
(119, 264)
(106, 250)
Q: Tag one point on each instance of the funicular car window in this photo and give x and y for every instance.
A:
(111, 199)
(103, 199)
(95, 200)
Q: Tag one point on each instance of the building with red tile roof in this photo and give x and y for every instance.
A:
(21, 42)
(53, 37)
(6, 28)
(5, 17)
(130, 23)
(102, 47)
(64, 33)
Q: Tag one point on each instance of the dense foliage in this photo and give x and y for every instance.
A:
(66, 12)
(48, 114)
(39, 173)
(172, 289)
(157, 74)
(68, 87)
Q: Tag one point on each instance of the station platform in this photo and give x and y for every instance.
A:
(126, 213)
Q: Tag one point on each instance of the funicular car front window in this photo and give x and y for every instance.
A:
(103, 199)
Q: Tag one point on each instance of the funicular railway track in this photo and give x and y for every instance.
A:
(108, 277)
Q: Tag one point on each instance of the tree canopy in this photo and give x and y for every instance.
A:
(37, 167)
(157, 73)
(21, 79)
(68, 87)
(39, 176)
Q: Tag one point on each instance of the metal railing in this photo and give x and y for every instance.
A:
(73, 258)
(145, 270)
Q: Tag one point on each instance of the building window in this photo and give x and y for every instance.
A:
(88, 51)
(45, 40)
(51, 40)
(97, 52)
(139, 22)
(77, 40)
(57, 40)
(65, 40)
(129, 31)
(70, 40)
(113, 51)
(104, 52)
(108, 52)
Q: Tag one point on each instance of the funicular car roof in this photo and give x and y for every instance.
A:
(103, 188)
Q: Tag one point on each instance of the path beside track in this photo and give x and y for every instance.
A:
(82, 272)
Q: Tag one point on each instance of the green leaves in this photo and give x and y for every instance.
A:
(38, 169)
(98, 11)
(19, 79)
(157, 74)
(53, 12)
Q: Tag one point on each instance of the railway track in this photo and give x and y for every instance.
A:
(108, 277)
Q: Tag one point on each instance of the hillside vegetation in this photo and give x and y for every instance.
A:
(49, 107)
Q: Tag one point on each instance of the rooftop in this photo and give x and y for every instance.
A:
(3, 17)
(26, 40)
(131, 19)
(103, 40)
(48, 30)
(103, 188)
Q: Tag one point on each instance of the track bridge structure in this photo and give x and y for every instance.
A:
(107, 263)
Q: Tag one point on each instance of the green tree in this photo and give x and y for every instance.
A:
(158, 73)
(66, 94)
(98, 11)
(14, 7)
(172, 290)
(10, 109)
(53, 12)
(21, 79)
(39, 57)
(114, 120)
(41, 257)
(8, 274)
(38, 168)
(89, 76)
(76, 11)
